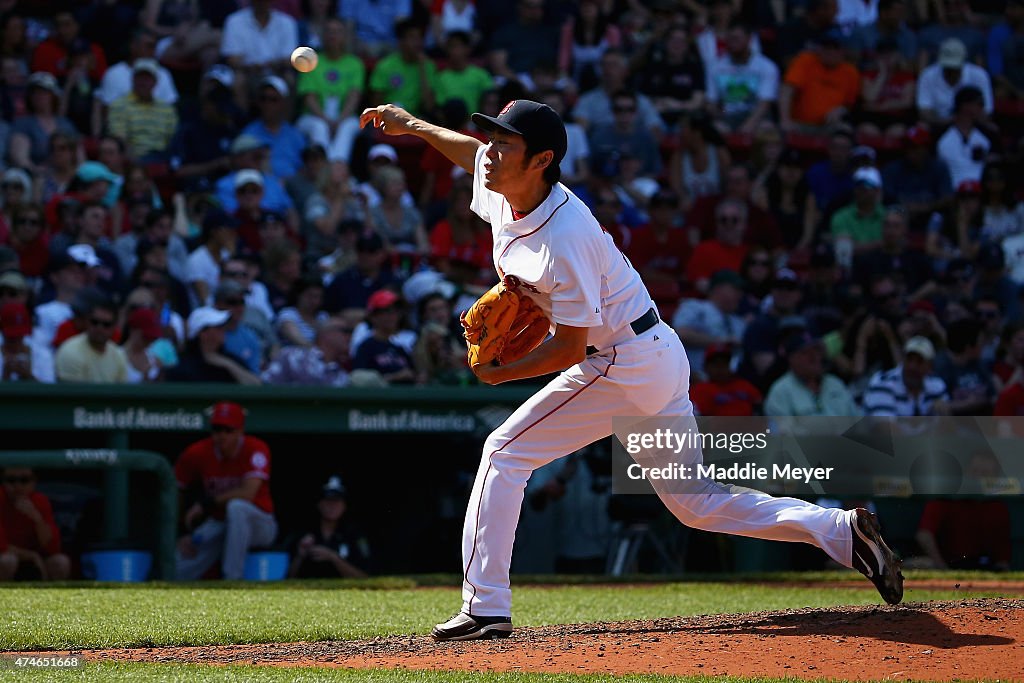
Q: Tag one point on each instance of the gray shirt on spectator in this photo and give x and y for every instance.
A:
(704, 316)
(39, 139)
(595, 107)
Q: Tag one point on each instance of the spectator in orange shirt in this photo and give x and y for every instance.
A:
(723, 394)
(726, 251)
(26, 519)
(820, 87)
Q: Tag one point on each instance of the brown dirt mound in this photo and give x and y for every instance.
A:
(936, 641)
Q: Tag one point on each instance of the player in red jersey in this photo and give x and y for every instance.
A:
(226, 476)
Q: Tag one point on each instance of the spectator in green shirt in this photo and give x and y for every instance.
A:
(462, 79)
(857, 227)
(406, 78)
(331, 93)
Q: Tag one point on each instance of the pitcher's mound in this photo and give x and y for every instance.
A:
(935, 641)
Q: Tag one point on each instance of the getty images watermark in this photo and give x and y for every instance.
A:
(666, 440)
(844, 456)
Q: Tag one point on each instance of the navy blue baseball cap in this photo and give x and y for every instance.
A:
(218, 218)
(539, 124)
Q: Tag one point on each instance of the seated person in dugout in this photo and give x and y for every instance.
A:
(333, 547)
(27, 524)
(225, 483)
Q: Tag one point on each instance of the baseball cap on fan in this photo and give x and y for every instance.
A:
(922, 346)
(538, 123)
(952, 54)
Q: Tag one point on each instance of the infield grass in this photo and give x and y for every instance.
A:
(144, 615)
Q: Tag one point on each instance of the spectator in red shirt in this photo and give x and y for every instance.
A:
(608, 210)
(660, 250)
(965, 533)
(232, 510)
(1011, 400)
(723, 394)
(761, 227)
(1009, 365)
(26, 519)
(461, 236)
(726, 251)
(52, 54)
(29, 240)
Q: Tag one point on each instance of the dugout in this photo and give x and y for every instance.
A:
(408, 457)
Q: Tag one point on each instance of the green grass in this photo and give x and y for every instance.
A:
(243, 674)
(97, 615)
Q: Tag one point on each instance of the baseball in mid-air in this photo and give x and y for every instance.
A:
(304, 59)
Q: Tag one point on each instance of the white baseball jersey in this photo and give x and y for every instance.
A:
(574, 272)
(565, 260)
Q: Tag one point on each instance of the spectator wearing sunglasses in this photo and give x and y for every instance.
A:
(240, 340)
(92, 356)
(244, 271)
(26, 521)
(226, 476)
(726, 251)
(29, 240)
(257, 313)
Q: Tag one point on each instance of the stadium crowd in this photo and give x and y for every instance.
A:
(818, 193)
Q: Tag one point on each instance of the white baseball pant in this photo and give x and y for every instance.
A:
(648, 375)
(244, 526)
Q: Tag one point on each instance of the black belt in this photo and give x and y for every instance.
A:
(639, 326)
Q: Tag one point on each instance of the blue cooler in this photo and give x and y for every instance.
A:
(117, 565)
(266, 566)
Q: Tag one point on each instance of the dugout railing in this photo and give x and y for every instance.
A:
(313, 431)
(115, 466)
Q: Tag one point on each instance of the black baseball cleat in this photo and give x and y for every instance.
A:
(873, 558)
(468, 627)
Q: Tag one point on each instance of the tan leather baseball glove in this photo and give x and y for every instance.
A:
(503, 326)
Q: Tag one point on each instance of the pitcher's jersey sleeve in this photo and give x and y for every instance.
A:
(485, 203)
(576, 266)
